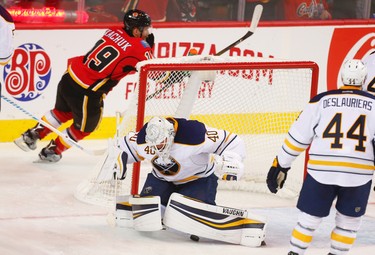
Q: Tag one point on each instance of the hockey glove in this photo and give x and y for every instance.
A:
(276, 176)
(128, 69)
(114, 164)
(151, 40)
(229, 166)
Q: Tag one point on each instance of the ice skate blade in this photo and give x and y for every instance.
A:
(21, 144)
(41, 161)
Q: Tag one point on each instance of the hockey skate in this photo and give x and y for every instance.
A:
(292, 253)
(48, 153)
(27, 141)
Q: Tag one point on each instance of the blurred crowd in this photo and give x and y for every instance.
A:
(193, 10)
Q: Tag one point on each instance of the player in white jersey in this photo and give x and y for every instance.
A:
(6, 38)
(339, 127)
(181, 153)
(187, 158)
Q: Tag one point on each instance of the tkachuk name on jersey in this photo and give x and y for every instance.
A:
(118, 39)
(232, 211)
(347, 102)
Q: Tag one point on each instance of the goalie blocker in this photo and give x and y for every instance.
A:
(184, 214)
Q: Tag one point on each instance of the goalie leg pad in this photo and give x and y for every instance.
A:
(253, 232)
(123, 213)
(140, 213)
(214, 222)
(146, 213)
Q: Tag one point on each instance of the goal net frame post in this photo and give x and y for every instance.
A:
(243, 64)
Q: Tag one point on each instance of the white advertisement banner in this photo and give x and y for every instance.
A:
(40, 58)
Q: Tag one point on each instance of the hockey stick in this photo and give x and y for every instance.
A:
(254, 24)
(53, 129)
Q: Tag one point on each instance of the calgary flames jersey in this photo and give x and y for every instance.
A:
(339, 127)
(114, 56)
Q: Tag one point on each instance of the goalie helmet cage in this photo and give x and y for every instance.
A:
(256, 98)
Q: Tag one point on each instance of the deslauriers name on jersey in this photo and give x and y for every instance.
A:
(347, 102)
(118, 39)
(232, 211)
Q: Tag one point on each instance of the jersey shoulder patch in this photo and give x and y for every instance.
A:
(145, 44)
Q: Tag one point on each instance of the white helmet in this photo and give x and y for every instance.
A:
(160, 134)
(353, 72)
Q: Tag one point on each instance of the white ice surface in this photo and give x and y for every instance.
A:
(39, 215)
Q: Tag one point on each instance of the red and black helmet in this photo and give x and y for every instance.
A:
(136, 19)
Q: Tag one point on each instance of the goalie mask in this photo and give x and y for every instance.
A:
(353, 73)
(160, 135)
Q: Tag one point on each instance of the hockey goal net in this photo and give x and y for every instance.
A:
(255, 98)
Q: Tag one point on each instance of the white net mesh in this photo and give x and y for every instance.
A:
(257, 99)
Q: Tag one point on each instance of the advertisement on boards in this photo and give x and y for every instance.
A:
(40, 59)
(347, 43)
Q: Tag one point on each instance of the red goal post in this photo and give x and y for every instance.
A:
(154, 93)
(256, 98)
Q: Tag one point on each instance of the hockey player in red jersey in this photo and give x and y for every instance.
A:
(88, 79)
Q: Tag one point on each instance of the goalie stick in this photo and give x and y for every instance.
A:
(253, 25)
(53, 129)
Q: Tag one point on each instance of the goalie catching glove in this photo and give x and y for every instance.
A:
(276, 176)
(229, 166)
(119, 169)
(114, 165)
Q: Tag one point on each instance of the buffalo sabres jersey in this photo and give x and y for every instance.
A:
(6, 35)
(339, 127)
(190, 153)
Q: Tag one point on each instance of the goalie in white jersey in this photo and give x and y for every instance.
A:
(339, 127)
(185, 155)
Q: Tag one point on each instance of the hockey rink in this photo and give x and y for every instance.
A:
(39, 215)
